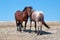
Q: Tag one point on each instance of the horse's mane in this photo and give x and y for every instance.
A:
(24, 9)
(27, 7)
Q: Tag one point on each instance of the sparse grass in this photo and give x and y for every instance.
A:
(53, 23)
(8, 32)
(12, 23)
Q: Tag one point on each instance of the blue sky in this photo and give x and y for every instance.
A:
(51, 8)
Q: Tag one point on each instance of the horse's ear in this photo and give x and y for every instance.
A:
(30, 7)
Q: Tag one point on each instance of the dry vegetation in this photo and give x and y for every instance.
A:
(8, 32)
(7, 23)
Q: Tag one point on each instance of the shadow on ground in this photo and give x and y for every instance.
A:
(43, 32)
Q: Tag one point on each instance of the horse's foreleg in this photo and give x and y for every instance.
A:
(25, 25)
(30, 25)
(35, 28)
(21, 25)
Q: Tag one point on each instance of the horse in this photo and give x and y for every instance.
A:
(21, 16)
(38, 18)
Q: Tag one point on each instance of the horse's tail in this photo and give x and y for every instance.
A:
(46, 25)
(43, 22)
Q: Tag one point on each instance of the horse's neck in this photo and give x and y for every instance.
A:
(25, 14)
(32, 12)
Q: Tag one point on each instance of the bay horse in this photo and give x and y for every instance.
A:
(38, 18)
(21, 16)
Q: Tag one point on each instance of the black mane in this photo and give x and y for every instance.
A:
(27, 7)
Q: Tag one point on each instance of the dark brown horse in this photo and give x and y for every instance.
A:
(38, 18)
(21, 16)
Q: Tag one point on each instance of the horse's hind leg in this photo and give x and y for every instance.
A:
(17, 24)
(40, 24)
(20, 27)
(37, 26)
(40, 28)
(30, 26)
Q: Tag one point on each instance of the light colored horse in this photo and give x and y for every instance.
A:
(38, 18)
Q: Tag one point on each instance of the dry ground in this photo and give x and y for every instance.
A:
(8, 32)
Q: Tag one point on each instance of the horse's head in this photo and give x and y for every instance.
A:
(28, 10)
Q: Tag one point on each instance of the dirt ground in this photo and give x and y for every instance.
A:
(10, 33)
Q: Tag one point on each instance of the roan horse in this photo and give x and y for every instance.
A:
(38, 18)
(21, 16)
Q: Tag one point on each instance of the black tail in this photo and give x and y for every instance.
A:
(43, 22)
(46, 25)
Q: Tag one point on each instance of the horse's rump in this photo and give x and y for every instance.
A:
(18, 15)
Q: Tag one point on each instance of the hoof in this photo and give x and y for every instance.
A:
(29, 31)
(22, 26)
(37, 33)
(40, 33)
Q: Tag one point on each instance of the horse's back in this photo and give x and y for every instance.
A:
(37, 13)
(18, 12)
